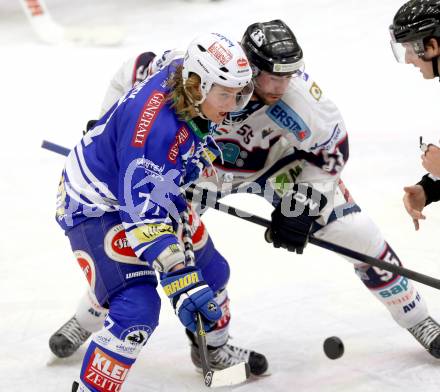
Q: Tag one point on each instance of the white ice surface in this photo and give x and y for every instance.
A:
(283, 305)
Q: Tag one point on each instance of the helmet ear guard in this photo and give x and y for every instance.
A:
(255, 70)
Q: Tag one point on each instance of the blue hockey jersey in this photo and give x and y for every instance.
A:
(137, 160)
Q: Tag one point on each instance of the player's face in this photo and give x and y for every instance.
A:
(411, 57)
(418, 54)
(424, 66)
(270, 88)
(222, 100)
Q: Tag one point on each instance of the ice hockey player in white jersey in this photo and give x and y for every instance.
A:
(121, 198)
(291, 139)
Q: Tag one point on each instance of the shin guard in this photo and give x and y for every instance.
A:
(397, 293)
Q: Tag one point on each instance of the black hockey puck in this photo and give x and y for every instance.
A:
(333, 347)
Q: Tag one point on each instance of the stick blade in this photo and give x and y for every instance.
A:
(95, 36)
(230, 376)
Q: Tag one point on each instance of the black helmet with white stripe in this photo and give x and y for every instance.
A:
(414, 23)
(416, 19)
(272, 47)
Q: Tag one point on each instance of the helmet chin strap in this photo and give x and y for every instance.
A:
(434, 61)
(199, 112)
(197, 105)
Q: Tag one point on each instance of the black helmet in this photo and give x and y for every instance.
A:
(416, 20)
(272, 47)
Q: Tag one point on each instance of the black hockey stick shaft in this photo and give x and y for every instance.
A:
(208, 373)
(396, 269)
(200, 331)
(203, 351)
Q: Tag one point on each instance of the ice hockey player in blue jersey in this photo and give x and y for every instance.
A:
(128, 174)
(289, 137)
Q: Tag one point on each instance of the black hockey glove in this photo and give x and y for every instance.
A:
(90, 125)
(293, 218)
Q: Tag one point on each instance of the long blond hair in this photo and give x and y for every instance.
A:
(185, 95)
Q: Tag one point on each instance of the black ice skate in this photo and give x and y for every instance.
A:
(228, 355)
(427, 332)
(68, 338)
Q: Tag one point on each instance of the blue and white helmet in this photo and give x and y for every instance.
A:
(216, 59)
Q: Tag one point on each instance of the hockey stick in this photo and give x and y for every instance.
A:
(396, 269)
(55, 148)
(51, 32)
(232, 375)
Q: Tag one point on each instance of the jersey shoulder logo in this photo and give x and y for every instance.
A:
(315, 91)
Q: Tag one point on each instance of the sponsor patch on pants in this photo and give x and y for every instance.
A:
(87, 266)
(118, 248)
(105, 373)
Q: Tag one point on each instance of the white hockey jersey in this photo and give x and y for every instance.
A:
(300, 139)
